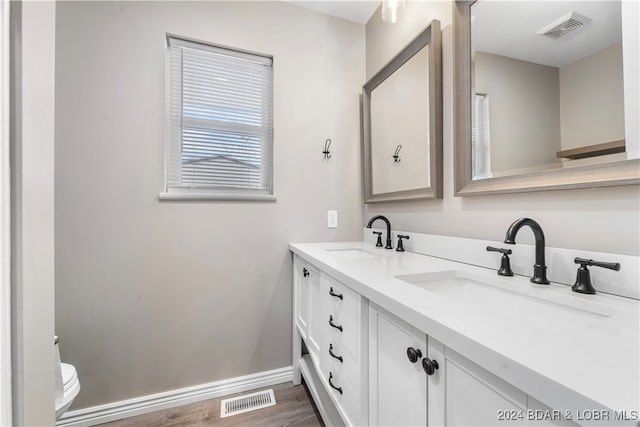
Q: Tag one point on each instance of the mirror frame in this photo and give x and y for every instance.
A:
(624, 172)
(429, 38)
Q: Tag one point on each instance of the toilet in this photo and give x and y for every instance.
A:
(67, 385)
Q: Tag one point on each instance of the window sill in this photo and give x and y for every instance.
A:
(187, 197)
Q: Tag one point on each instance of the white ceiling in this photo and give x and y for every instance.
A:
(359, 11)
(509, 28)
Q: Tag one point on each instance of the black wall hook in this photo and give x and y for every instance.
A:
(326, 152)
(396, 155)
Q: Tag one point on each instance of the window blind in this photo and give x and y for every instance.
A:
(480, 153)
(219, 126)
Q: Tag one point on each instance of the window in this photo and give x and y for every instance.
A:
(480, 153)
(219, 123)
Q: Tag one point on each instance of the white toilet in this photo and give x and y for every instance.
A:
(67, 385)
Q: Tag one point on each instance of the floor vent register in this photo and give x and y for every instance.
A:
(247, 402)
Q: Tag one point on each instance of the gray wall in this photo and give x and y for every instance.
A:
(524, 111)
(152, 296)
(592, 99)
(604, 219)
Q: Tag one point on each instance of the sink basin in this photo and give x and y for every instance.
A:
(351, 253)
(504, 297)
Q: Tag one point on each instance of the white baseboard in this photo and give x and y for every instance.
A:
(170, 399)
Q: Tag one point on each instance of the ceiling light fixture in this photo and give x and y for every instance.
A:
(392, 10)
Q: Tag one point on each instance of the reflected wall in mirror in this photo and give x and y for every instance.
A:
(402, 123)
(540, 96)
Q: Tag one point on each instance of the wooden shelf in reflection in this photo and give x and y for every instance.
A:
(593, 150)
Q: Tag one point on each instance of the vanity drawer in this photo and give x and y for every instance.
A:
(343, 364)
(343, 395)
(341, 298)
(344, 331)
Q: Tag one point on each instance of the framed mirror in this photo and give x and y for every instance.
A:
(402, 123)
(540, 98)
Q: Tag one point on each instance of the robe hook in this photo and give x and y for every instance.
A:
(326, 152)
(396, 155)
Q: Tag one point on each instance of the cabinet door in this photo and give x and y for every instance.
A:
(317, 328)
(397, 387)
(301, 295)
(462, 393)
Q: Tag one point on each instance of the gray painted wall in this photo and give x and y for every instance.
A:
(592, 113)
(524, 111)
(605, 220)
(152, 296)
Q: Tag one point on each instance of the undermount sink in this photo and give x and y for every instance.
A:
(351, 253)
(501, 297)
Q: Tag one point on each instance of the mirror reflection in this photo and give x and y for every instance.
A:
(400, 128)
(547, 86)
(402, 123)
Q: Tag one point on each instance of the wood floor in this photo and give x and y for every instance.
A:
(294, 407)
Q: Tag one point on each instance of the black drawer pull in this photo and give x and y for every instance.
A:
(333, 294)
(333, 325)
(333, 386)
(332, 354)
(305, 272)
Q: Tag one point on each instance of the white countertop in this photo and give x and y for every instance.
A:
(584, 365)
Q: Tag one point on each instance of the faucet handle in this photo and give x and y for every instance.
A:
(585, 262)
(379, 242)
(501, 250)
(400, 247)
(583, 279)
(505, 263)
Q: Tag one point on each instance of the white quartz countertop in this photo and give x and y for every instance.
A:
(587, 364)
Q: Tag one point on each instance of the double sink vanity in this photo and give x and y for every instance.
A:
(401, 338)
(446, 332)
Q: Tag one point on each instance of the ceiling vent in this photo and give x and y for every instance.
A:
(564, 26)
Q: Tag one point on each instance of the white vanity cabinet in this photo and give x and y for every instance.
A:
(397, 386)
(457, 392)
(463, 393)
(365, 365)
(341, 354)
(328, 319)
(306, 279)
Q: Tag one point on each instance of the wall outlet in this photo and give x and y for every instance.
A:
(332, 219)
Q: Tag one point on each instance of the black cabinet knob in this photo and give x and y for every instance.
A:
(413, 354)
(305, 272)
(429, 365)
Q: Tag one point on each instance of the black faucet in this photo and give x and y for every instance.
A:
(539, 268)
(386, 221)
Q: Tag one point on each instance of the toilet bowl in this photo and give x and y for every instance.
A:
(71, 388)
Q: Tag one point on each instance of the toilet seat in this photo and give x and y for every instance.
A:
(71, 388)
(69, 376)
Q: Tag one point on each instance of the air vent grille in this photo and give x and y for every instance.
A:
(247, 402)
(564, 26)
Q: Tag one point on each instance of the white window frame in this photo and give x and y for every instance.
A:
(178, 184)
(480, 138)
